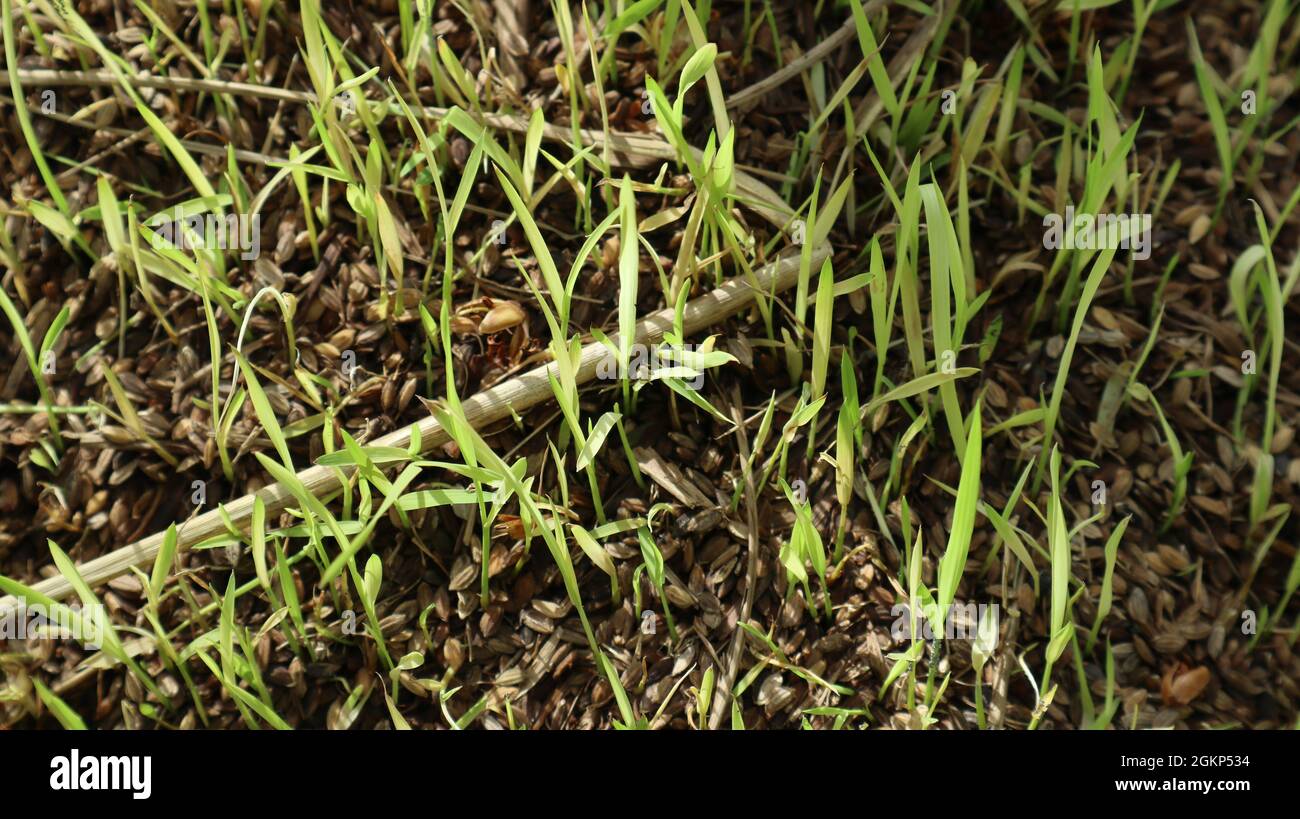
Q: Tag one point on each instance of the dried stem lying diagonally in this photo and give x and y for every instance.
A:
(626, 149)
(518, 394)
